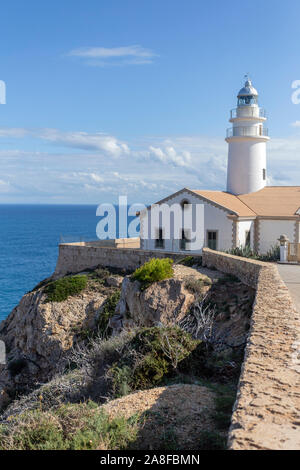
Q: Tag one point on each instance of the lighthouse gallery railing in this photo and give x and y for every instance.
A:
(247, 132)
(247, 111)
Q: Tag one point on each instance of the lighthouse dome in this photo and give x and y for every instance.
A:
(247, 90)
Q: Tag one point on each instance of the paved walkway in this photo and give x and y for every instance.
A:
(290, 274)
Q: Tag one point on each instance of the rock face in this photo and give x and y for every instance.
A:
(38, 336)
(165, 302)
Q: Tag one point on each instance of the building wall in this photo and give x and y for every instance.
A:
(297, 232)
(209, 217)
(243, 226)
(271, 229)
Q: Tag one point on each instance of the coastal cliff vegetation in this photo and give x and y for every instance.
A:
(102, 386)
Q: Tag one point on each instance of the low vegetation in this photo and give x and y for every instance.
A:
(191, 261)
(65, 412)
(152, 355)
(195, 285)
(273, 254)
(107, 312)
(153, 271)
(82, 426)
(61, 289)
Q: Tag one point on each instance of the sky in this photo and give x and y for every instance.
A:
(132, 97)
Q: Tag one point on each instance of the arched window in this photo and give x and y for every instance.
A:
(183, 203)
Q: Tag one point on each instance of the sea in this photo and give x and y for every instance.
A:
(29, 239)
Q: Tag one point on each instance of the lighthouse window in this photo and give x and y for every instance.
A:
(247, 100)
(264, 174)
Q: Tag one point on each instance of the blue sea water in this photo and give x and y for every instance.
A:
(29, 238)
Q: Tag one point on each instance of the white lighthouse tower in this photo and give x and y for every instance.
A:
(246, 172)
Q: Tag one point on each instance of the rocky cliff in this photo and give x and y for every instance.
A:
(40, 334)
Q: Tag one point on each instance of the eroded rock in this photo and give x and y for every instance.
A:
(165, 302)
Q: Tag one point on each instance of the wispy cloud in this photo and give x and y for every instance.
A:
(77, 140)
(104, 56)
(85, 141)
(100, 167)
(295, 124)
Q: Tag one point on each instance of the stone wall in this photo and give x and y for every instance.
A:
(76, 257)
(245, 269)
(266, 413)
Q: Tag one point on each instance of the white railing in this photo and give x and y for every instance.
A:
(248, 111)
(247, 132)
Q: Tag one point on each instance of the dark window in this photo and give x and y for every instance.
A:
(247, 100)
(247, 238)
(264, 173)
(183, 240)
(212, 240)
(159, 242)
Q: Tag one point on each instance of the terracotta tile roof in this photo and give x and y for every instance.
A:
(276, 201)
(271, 201)
(229, 201)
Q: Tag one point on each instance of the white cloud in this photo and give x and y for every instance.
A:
(168, 154)
(101, 167)
(124, 55)
(17, 132)
(85, 141)
(295, 124)
(78, 140)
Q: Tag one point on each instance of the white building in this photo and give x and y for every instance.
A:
(248, 213)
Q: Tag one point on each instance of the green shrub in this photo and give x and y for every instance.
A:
(107, 312)
(273, 254)
(60, 290)
(191, 261)
(195, 285)
(154, 270)
(81, 426)
(244, 251)
(99, 274)
(151, 355)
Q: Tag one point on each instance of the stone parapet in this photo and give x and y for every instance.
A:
(76, 257)
(266, 413)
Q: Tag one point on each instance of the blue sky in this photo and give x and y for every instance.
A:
(132, 97)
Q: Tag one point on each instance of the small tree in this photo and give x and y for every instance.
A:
(153, 271)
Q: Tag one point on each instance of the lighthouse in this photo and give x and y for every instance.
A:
(247, 138)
